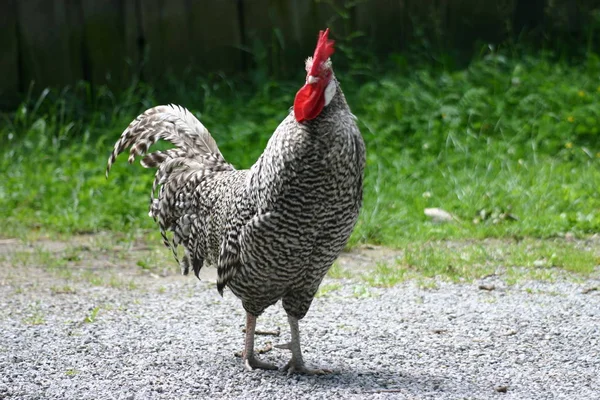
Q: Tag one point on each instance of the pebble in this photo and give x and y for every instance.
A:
(181, 344)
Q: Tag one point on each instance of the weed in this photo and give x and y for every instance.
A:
(91, 317)
(326, 289)
(66, 289)
(93, 278)
(385, 275)
(35, 319)
(457, 261)
(431, 259)
(427, 283)
(338, 272)
(144, 264)
(489, 300)
(35, 315)
(131, 284)
(361, 291)
(154, 259)
(554, 254)
(115, 282)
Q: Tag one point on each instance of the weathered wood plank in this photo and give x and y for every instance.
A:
(9, 67)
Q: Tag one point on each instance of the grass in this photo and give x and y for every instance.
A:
(35, 315)
(64, 289)
(76, 264)
(468, 261)
(385, 275)
(493, 138)
(337, 272)
(514, 136)
(92, 316)
(118, 283)
(155, 259)
(327, 289)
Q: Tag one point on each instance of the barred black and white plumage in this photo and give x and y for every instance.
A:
(272, 231)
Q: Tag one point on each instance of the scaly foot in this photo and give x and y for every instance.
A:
(251, 363)
(296, 364)
(293, 367)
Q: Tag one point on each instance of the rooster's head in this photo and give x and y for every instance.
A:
(320, 86)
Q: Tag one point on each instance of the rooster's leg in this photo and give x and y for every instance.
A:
(251, 362)
(296, 364)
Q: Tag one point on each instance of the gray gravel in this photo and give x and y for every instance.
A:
(175, 338)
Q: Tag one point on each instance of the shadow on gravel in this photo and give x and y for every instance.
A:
(368, 381)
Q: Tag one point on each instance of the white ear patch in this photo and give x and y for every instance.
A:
(329, 92)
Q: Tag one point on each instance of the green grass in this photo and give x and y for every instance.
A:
(92, 316)
(66, 267)
(385, 275)
(468, 261)
(64, 289)
(337, 272)
(327, 289)
(518, 136)
(34, 315)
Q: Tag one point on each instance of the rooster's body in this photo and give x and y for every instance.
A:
(272, 231)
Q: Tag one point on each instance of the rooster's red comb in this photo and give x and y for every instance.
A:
(323, 51)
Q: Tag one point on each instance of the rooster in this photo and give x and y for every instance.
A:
(274, 230)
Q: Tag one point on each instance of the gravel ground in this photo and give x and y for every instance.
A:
(175, 338)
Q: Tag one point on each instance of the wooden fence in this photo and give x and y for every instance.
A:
(58, 42)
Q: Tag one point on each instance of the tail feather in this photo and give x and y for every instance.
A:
(153, 160)
(179, 171)
(172, 123)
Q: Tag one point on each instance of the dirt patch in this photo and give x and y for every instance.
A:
(103, 254)
(106, 259)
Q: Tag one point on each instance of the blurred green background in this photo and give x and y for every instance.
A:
(488, 110)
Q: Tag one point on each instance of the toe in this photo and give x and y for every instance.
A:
(299, 368)
(284, 346)
(252, 363)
